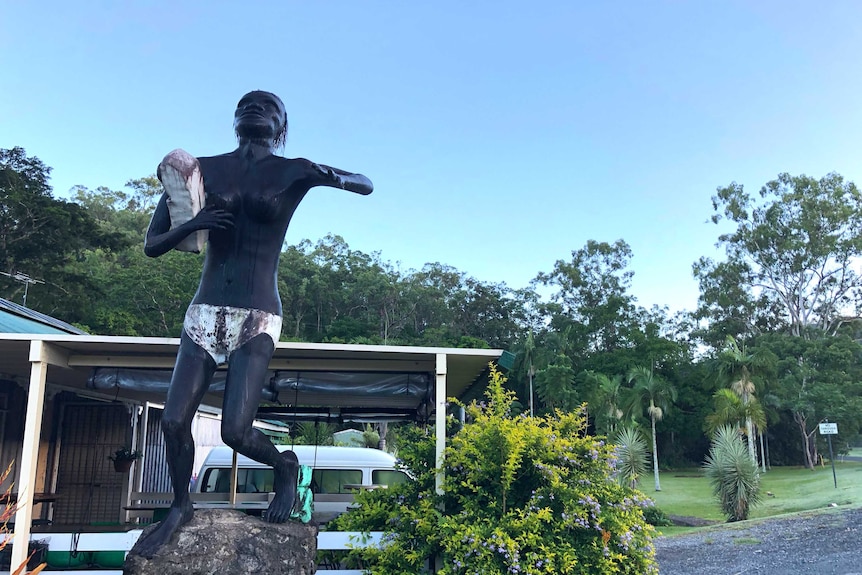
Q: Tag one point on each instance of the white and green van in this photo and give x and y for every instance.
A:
(337, 474)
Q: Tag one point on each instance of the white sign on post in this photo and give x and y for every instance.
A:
(828, 429)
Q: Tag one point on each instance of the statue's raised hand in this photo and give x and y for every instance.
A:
(212, 218)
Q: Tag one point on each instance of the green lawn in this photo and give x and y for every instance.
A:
(854, 451)
(687, 492)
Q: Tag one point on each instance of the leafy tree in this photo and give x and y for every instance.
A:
(134, 295)
(555, 385)
(593, 320)
(654, 394)
(679, 440)
(790, 277)
(727, 303)
(530, 495)
(157, 292)
(817, 378)
(733, 474)
(592, 291)
(40, 234)
(124, 214)
(334, 293)
(297, 280)
(489, 312)
(438, 290)
(794, 248)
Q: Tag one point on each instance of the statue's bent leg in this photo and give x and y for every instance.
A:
(246, 376)
(191, 378)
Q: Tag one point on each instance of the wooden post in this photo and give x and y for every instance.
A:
(440, 417)
(30, 452)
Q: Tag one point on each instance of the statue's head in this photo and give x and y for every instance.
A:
(260, 116)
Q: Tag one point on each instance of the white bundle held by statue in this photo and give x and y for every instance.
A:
(180, 174)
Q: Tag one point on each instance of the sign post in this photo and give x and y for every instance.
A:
(830, 429)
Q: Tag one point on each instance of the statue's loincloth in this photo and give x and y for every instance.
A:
(221, 330)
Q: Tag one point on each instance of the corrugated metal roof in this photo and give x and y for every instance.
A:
(16, 318)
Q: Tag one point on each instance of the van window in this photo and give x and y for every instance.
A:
(335, 480)
(388, 477)
(217, 480)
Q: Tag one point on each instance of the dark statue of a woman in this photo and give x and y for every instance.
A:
(235, 316)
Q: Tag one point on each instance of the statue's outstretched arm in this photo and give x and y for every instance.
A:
(321, 175)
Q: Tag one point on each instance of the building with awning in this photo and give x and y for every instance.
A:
(77, 397)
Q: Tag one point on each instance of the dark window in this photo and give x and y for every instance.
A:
(335, 480)
(388, 477)
(217, 480)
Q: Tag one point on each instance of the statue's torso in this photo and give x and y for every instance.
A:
(242, 262)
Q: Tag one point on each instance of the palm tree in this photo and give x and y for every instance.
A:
(656, 395)
(609, 401)
(730, 410)
(529, 349)
(737, 368)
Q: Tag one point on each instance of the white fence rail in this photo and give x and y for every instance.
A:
(84, 542)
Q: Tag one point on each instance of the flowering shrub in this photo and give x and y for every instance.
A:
(521, 496)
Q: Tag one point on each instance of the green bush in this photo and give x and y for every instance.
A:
(656, 517)
(521, 496)
(732, 473)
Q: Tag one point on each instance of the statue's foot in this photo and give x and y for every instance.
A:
(177, 516)
(285, 489)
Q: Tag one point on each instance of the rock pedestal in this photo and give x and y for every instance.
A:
(226, 542)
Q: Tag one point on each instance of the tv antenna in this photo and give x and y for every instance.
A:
(24, 279)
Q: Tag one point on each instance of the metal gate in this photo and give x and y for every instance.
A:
(89, 490)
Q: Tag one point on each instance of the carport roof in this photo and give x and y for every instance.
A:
(76, 356)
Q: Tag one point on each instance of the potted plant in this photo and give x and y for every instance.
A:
(123, 459)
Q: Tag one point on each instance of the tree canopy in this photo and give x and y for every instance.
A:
(789, 288)
(795, 248)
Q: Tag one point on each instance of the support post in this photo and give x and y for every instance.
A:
(440, 417)
(30, 451)
(142, 447)
(234, 474)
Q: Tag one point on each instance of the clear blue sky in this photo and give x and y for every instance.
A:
(500, 135)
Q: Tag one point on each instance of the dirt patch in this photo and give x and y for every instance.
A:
(815, 542)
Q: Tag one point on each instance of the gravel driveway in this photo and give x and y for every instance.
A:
(824, 543)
